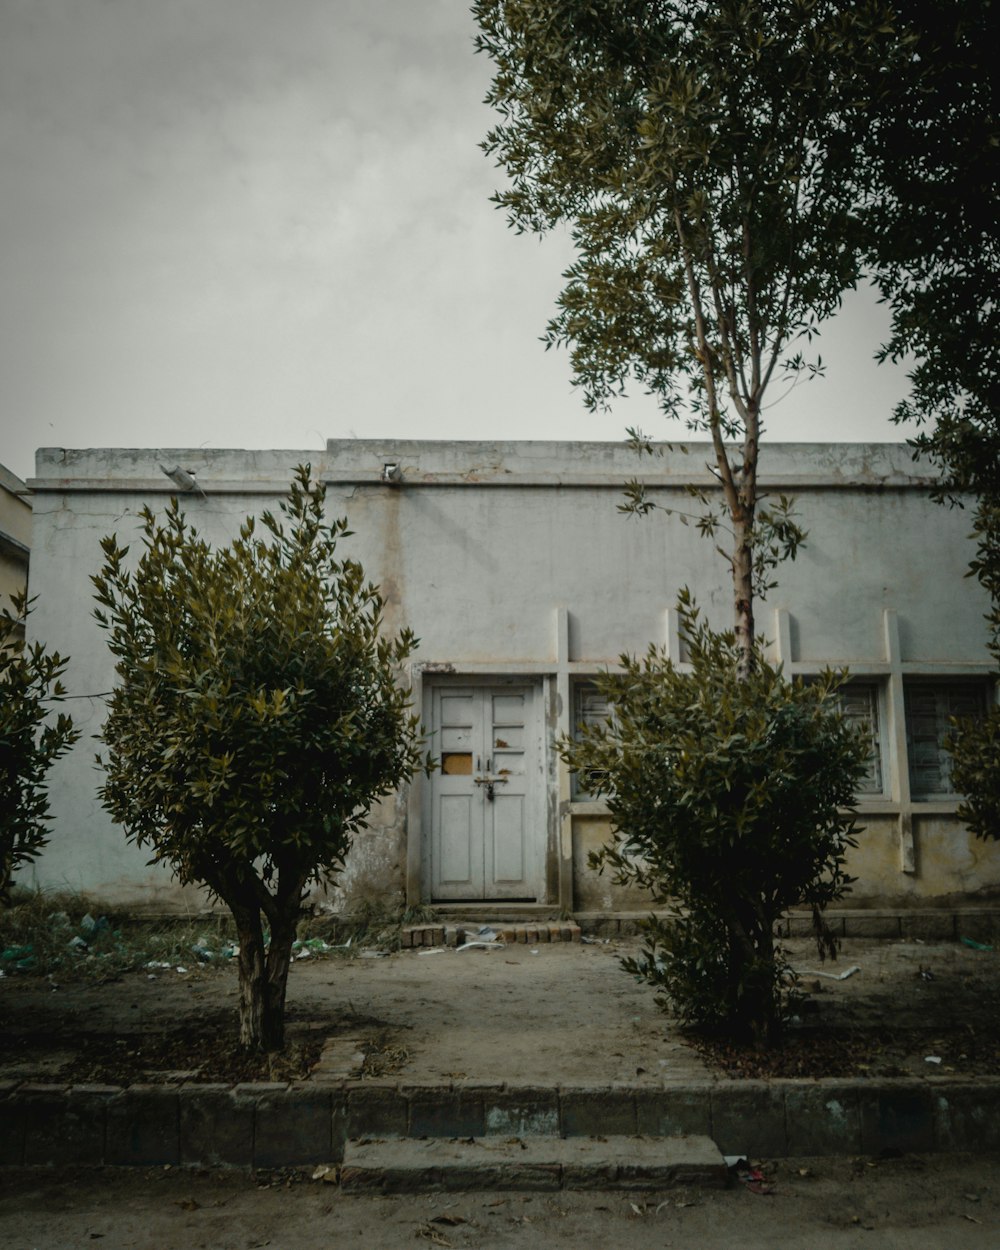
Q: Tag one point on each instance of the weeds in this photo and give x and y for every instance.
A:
(76, 937)
(69, 936)
(372, 924)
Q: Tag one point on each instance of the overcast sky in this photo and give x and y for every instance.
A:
(265, 223)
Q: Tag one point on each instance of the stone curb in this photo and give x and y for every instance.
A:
(279, 1125)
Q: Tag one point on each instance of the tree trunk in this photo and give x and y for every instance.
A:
(263, 977)
(279, 958)
(743, 594)
(263, 968)
(753, 994)
(251, 969)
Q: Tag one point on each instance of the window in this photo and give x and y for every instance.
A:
(859, 705)
(589, 708)
(929, 709)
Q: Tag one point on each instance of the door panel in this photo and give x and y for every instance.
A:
(508, 840)
(487, 801)
(456, 837)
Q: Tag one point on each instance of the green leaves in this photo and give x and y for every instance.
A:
(30, 739)
(934, 246)
(709, 161)
(975, 751)
(258, 713)
(731, 796)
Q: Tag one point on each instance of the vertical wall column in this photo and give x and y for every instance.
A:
(899, 775)
(781, 647)
(564, 727)
(414, 805)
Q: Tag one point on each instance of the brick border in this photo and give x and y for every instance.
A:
(276, 1125)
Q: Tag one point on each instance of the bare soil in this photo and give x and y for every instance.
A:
(560, 1013)
(910, 1203)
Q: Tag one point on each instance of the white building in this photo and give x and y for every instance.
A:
(513, 566)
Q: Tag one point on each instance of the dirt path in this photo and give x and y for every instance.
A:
(564, 1014)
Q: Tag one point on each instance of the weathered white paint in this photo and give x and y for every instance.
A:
(486, 819)
(511, 562)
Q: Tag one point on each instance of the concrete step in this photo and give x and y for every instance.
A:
(400, 1163)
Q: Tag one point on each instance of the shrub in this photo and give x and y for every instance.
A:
(30, 739)
(258, 715)
(732, 797)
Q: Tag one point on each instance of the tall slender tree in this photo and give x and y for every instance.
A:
(709, 161)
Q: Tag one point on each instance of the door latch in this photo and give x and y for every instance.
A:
(489, 780)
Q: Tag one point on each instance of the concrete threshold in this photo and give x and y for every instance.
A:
(926, 924)
(395, 1164)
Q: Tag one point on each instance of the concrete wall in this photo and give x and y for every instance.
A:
(511, 560)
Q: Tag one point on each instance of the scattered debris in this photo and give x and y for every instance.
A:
(381, 1056)
(748, 1173)
(975, 946)
(433, 1235)
(313, 946)
(832, 976)
(19, 958)
(486, 939)
(932, 1058)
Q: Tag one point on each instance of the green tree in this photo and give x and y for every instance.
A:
(934, 248)
(257, 717)
(732, 800)
(709, 161)
(30, 739)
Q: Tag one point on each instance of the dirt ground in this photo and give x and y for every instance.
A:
(559, 1013)
(834, 1204)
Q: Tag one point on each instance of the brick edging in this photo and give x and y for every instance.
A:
(279, 1125)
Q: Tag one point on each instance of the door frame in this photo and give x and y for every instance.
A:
(419, 807)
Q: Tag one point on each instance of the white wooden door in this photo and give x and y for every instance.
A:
(487, 822)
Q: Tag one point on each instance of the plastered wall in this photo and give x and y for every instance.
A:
(512, 560)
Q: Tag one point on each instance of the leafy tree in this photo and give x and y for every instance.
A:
(934, 243)
(709, 161)
(256, 719)
(30, 739)
(975, 772)
(732, 799)
(935, 251)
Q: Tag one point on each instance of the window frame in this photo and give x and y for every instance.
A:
(979, 688)
(578, 791)
(874, 723)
